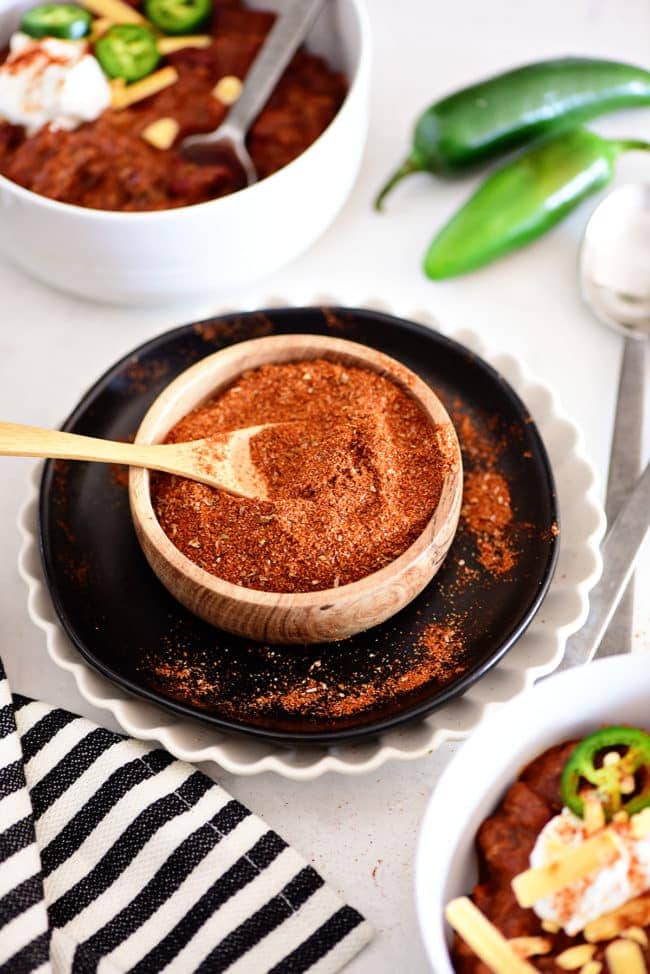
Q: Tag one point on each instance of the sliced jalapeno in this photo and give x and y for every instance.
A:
(127, 51)
(615, 762)
(177, 16)
(63, 20)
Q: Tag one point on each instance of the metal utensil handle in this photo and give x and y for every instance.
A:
(620, 551)
(285, 38)
(624, 469)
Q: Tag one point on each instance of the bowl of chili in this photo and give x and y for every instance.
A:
(539, 753)
(365, 486)
(82, 210)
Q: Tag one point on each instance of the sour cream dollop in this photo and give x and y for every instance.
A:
(576, 905)
(51, 82)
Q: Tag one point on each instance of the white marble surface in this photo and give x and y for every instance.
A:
(360, 832)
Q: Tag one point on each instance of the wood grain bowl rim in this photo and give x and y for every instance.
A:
(157, 422)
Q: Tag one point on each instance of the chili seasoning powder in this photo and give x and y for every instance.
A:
(352, 479)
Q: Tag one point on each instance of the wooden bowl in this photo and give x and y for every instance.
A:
(310, 617)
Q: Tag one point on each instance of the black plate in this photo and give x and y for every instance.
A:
(128, 627)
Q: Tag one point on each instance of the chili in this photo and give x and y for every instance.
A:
(107, 165)
(523, 199)
(488, 119)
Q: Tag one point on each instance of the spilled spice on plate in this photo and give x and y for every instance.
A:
(141, 376)
(487, 505)
(438, 652)
(437, 656)
(487, 511)
(353, 477)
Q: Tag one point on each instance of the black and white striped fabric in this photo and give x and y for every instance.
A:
(115, 857)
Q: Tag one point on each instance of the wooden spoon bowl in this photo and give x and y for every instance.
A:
(310, 617)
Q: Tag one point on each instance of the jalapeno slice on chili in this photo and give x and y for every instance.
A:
(615, 762)
(63, 20)
(127, 51)
(177, 16)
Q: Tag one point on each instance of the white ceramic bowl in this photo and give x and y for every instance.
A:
(571, 704)
(155, 258)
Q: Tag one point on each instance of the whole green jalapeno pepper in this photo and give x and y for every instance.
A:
(523, 199)
(507, 111)
(615, 764)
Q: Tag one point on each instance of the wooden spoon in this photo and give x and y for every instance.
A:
(223, 461)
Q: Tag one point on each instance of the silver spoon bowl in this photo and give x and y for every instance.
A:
(228, 142)
(615, 281)
(615, 260)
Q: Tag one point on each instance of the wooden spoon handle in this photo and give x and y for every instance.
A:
(33, 441)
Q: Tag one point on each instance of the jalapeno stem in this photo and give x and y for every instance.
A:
(411, 165)
(633, 144)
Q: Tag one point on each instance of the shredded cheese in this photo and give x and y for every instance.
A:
(625, 957)
(99, 28)
(594, 814)
(641, 824)
(575, 957)
(118, 87)
(115, 11)
(169, 45)
(635, 912)
(125, 95)
(530, 946)
(228, 89)
(488, 943)
(577, 863)
(636, 933)
(162, 133)
(592, 967)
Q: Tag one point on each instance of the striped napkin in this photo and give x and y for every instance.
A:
(115, 857)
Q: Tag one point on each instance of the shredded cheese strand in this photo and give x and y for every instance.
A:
(114, 10)
(488, 943)
(625, 957)
(577, 863)
(125, 95)
(169, 45)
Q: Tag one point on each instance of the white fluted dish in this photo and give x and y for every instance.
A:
(538, 651)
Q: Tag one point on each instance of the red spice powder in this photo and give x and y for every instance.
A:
(487, 508)
(438, 655)
(352, 479)
(488, 513)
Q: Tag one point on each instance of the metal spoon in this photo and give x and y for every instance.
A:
(615, 281)
(228, 142)
(223, 461)
(621, 549)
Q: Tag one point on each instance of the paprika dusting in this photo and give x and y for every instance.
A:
(487, 508)
(352, 478)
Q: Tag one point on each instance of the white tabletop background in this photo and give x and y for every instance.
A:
(360, 832)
